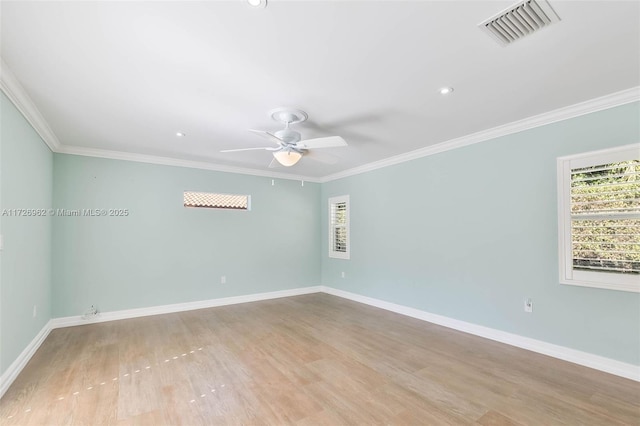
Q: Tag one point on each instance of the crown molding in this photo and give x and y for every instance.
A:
(176, 162)
(11, 87)
(598, 104)
(16, 93)
(594, 105)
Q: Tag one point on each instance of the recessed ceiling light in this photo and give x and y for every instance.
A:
(257, 3)
(446, 90)
(180, 134)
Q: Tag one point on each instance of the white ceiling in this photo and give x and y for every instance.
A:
(126, 76)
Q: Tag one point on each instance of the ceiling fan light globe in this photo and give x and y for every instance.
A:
(287, 158)
(257, 3)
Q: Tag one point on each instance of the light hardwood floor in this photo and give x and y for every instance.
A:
(305, 360)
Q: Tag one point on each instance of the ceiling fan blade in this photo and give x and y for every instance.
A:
(327, 142)
(274, 163)
(247, 149)
(322, 157)
(273, 138)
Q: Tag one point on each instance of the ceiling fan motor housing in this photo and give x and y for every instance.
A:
(288, 136)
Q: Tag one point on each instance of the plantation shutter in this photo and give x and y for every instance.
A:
(339, 226)
(605, 217)
(339, 238)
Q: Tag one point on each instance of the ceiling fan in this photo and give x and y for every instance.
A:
(290, 147)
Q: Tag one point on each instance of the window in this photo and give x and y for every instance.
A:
(599, 219)
(339, 245)
(216, 201)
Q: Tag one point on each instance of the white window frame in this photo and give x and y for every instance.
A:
(339, 254)
(610, 281)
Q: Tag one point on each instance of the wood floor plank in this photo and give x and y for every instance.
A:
(493, 418)
(626, 411)
(305, 360)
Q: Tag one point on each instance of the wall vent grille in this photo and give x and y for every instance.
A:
(520, 20)
(216, 201)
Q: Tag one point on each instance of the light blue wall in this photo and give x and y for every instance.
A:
(470, 233)
(25, 263)
(164, 253)
(467, 234)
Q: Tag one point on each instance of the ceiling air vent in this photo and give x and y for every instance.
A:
(520, 20)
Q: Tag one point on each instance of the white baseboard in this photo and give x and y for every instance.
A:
(608, 365)
(180, 307)
(597, 362)
(16, 366)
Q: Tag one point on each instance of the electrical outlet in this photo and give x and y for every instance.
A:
(91, 312)
(528, 305)
(35, 311)
(343, 274)
(223, 279)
